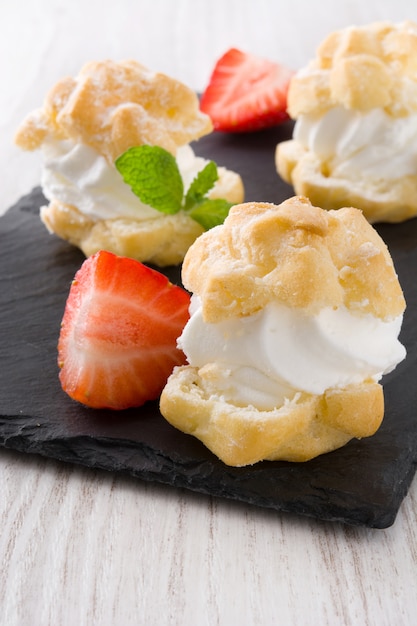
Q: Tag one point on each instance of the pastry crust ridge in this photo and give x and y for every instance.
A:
(293, 253)
(112, 106)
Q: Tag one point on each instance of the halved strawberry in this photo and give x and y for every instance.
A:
(246, 93)
(117, 344)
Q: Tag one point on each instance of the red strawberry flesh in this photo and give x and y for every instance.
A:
(117, 344)
(246, 93)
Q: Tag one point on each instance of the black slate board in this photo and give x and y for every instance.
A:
(363, 483)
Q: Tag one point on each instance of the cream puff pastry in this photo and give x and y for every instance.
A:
(355, 136)
(87, 122)
(295, 317)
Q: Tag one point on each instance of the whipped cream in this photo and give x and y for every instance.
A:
(76, 174)
(374, 144)
(267, 358)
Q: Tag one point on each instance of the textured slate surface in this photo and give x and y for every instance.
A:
(364, 483)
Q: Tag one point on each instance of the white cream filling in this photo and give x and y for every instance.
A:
(78, 175)
(267, 358)
(354, 144)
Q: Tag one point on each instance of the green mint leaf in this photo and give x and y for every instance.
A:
(210, 213)
(201, 184)
(153, 175)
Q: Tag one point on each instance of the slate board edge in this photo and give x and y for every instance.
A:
(68, 451)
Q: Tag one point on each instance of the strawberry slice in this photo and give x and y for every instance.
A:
(246, 93)
(117, 344)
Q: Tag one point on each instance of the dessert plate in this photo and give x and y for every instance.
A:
(363, 483)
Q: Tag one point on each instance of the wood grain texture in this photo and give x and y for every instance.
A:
(84, 547)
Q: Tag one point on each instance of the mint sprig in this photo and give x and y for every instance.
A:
(201, 185)
(153, 175)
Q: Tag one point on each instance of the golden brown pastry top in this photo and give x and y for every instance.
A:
(112, 106)
(293, 253)
(360, 67)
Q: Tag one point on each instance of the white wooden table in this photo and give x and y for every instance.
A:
(80, 547)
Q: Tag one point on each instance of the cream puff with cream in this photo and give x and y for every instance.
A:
(355, 136)
(295, 318)
(84, 125)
